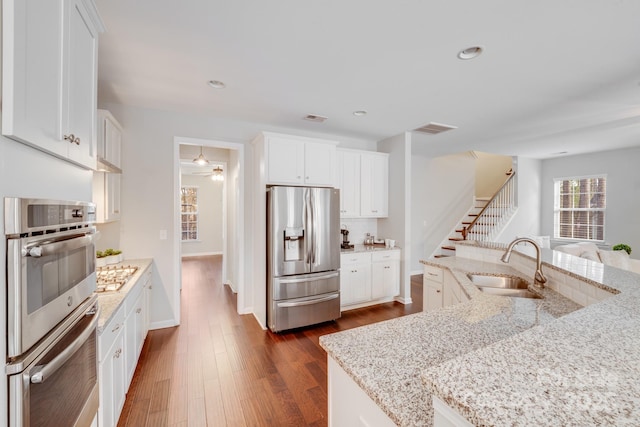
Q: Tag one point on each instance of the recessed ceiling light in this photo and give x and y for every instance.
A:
(216, 84)
(360, 113)
(470, 52)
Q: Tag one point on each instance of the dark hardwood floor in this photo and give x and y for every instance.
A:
(219, 368)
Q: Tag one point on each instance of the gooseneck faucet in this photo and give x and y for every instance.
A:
(538, 279)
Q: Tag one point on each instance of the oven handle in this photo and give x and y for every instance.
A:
(38, 250)
(45, 371)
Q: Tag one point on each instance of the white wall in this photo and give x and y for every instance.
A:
(233, 195)
(148, 199)
(398, 224)
(622, 221)
(210, 236)
(490, 172)
(442, 193)
(526, 220)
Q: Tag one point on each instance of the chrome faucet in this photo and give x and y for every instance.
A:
(538, 279)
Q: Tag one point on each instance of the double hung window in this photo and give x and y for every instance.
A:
(189, 213)
(579, 208)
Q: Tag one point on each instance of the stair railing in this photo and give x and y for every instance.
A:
(494, 213)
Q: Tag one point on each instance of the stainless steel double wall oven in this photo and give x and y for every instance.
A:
(52, 312)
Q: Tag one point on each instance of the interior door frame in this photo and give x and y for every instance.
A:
(240, 220)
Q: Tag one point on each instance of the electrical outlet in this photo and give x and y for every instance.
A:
(163, 234)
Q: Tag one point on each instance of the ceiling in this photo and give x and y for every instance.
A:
(555, 76)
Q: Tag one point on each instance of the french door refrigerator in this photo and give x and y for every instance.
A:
(303, 256)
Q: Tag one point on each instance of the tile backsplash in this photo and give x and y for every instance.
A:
(358, 228)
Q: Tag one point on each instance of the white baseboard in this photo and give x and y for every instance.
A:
(201, 254)
(416, 272)
(404, 301)
(229, 283)
(259, 322)
(163, 324)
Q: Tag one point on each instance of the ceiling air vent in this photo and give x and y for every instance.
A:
(435, 128)
(315, 118)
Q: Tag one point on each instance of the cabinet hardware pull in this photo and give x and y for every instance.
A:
(72, 139)
(438, 290)
(432, 274)
(116, 327)
(138, 311)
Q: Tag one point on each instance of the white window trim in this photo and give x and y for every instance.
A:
(556, 209)
(196, 213)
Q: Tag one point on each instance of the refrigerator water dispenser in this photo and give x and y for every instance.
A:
(293, 244)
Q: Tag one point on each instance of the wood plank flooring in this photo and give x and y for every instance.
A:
(219, 368)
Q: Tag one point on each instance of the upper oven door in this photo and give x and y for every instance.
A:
(48, 277)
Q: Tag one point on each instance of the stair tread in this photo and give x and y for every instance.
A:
(449, 248)
(456, 239)
(442, 256)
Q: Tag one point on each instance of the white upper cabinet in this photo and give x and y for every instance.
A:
(109, 139)
(374, 188)
(349, 183)
(291, 160)
(363, 180)
(49, 79)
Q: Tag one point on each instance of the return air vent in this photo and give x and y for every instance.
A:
(434, 128)
(315, 118)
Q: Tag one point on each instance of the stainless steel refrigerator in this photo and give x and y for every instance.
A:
(303, 256)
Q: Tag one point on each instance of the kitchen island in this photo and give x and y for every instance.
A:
(480, 356)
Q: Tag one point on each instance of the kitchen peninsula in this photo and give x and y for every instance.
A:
(497, 360)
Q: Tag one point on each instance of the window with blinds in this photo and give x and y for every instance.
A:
(189, 213)
(579, 208)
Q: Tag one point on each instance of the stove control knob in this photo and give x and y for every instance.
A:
(35, 252)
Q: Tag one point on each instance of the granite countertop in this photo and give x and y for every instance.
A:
(368, 248)
(110, 301)
(579, 370)
(507, 361)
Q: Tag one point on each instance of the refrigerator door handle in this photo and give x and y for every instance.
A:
(310, 226)
(308, 302)
(310, 277)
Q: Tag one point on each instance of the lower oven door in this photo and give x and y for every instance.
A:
(60, 386)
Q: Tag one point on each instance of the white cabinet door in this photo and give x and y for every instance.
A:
(109, 138)
(374, 191)
(49, 76)
(385, 281)
(319, 164)
(355, 284)
(106, 196)
(134, 325)
(432, 296)
(285, 161)
(147, 298)
(112, 384)
(349, 183)
(80, 83)
(293, 161)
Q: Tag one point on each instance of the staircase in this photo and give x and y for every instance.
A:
(484, 220)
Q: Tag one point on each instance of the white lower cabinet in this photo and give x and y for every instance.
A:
(440, 289)
(119, 347)
(385, 274)
(368, 278)
(349, 405)
(112, 370)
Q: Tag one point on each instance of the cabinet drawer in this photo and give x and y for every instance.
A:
(111, 330)
(385, 256)
(132, 296)
(355, 258)
(433, 273)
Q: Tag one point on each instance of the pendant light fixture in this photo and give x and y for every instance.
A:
(201, 160)
(217, 174)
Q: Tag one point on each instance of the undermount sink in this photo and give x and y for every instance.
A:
(509, 286)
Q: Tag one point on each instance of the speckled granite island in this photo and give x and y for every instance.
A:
(505, 361)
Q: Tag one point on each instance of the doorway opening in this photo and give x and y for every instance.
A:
(209, 208)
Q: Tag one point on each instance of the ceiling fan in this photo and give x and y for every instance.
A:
(216, 174)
